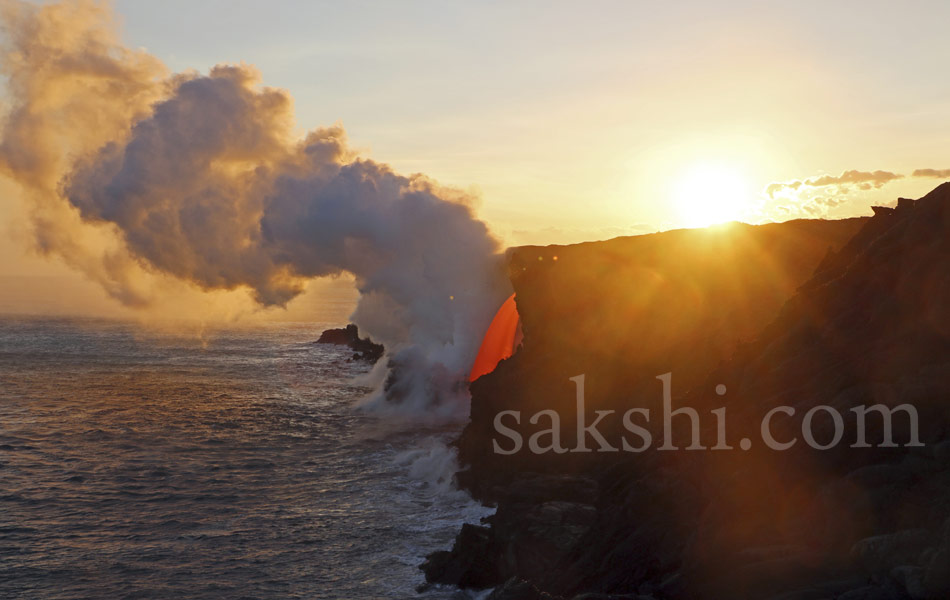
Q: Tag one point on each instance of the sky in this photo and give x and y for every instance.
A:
(579, 121)
(570, 116)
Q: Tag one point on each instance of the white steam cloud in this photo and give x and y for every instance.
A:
(136, 176)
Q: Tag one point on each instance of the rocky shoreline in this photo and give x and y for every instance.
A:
(800, 314)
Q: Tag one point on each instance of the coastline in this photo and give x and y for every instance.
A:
(857, 324)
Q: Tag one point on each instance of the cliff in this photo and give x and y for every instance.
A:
(625, 310)
(793, 316)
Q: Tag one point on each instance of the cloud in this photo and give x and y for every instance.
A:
(864, 180)
(135, 175)
(821, 206)
(938, 173)
(874, 179)
(823, 196)
(774, 188)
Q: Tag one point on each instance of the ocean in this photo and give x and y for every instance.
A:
(226, 463)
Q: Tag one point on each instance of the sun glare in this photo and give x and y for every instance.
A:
(707, 194)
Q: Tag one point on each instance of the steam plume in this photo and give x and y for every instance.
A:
(136, 176)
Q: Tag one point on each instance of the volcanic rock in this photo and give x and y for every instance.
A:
(364, 348)
(802, 314)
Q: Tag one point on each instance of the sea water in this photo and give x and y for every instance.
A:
(224, 463)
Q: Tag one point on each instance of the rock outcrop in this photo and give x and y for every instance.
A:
(363, 348)
(835, 315)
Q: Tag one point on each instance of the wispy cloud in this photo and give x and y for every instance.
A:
(823, 196)
(938, 173)
(819, 207)
(864, 180)
(872, 178)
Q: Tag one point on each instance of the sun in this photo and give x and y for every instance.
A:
(709, 193)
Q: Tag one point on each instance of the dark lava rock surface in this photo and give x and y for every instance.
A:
(837, 314)
(364, 348)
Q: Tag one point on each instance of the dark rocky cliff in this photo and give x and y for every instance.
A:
(840, 314)
(628, 309)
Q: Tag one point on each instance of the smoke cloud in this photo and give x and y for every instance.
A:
(137, 177)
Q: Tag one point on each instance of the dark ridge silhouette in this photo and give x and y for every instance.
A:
(865, 323)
